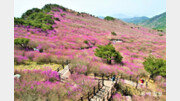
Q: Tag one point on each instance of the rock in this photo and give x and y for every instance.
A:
(17, 76)
(128, 98)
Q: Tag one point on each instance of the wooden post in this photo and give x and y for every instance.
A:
(137, 81)
(60, 77)
(116, 80)
(111, 91)
(94, 91)
(107, 95)
(88, 97)
(57, 69)
(136, 84)
(103, 79)
(122, 77)
(86, 73)
(62, 66)
(146, 84)
(98, 85)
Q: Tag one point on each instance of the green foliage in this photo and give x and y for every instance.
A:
(19, 21)
(63, 14)
(57, 19)
(155, 66)
(49, 7)
(123, 89)
(135, 20)
(29, 12)
(160, 34)
(113, 33)
(157, 22)
(118, 57)
(41, 50)
(39, 18)
(23, 42)
(35, 19)
(86, 42)
(109, 18)
(109, 53)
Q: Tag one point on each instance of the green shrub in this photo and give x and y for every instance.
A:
(19, 21)
(109, 18)
(57, 19)
(63, 14)
(36, 19)
(29, 12)
(49, 7)
(44, 59)
(86, 42)
(109, 53)
(41, 50)
(160, 34)
(123, 89)
(23, 42)
(113, 33)
(155, 66)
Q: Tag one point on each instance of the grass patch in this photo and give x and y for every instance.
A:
(34, 65)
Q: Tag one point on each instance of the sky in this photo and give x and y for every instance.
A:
(126, 8)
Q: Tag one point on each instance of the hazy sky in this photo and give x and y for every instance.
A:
(147, 8)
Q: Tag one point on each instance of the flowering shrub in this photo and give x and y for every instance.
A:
(80, 66)
(18, 59)
(45, 84)
(143, 98)
(76, 38)
(36, 84)
(44, 58)
(118, 97)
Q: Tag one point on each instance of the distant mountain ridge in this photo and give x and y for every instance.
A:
(157, 22)
(135, 20)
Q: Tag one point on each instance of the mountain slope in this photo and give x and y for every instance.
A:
(80, 33)
(157, 22)
(74, 38)
(135, 20)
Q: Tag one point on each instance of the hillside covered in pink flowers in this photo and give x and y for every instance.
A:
(74, 37)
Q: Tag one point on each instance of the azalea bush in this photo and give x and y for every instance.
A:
(76, 38)
(45, 58)
(80, 66)
(37, 84)
(118, 97)
(46, 85)
(19, 59)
